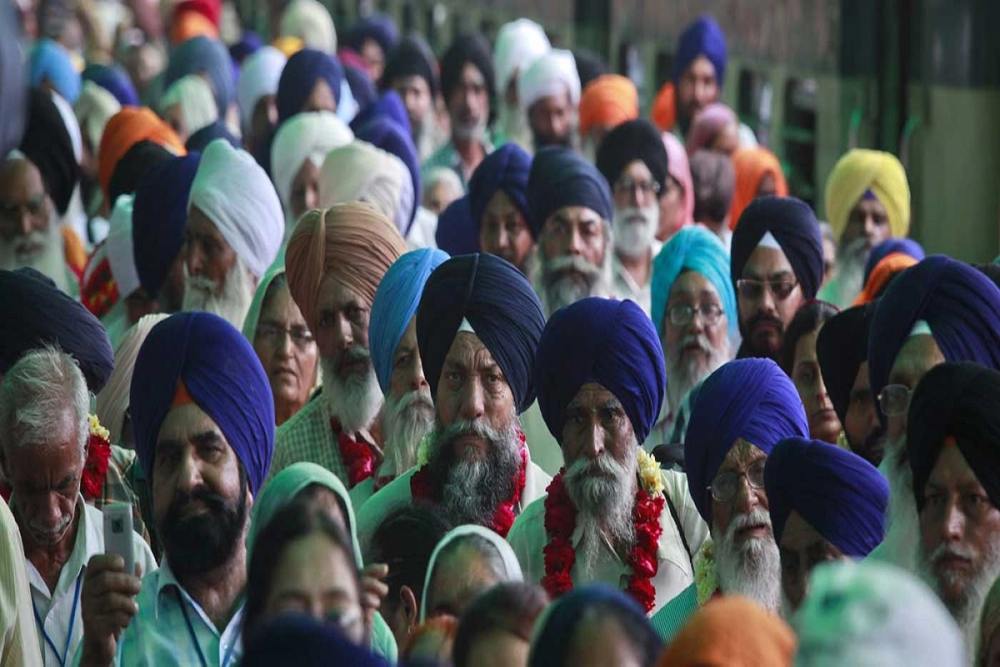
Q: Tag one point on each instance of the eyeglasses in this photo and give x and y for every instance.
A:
(627, 186)
(682, 315)
(894, 400)
(272, 335)
(726, 484)
(754, 289)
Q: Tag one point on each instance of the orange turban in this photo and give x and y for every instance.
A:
(732, 631)
(610, 99)
(751, 165)
(664, 112)
(127, 128)
(190, 24)
(354, 242)
(883, 272)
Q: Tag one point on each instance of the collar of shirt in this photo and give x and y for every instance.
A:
(166, 580)
(88, 542)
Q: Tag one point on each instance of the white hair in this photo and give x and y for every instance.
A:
(442, 175)
(231, 303)
(752, 569)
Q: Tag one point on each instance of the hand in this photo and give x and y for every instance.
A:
(107, 605)
(373, 591)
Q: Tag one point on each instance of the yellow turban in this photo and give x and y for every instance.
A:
(861, 170)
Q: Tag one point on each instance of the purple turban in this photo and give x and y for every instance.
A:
(389, 105)
(505, 169)
(892, 246)
(704, 37)
(222, 375)
(841, 495)
(457, 233)
(378, 27)
(200, 140)
(610, 342)
(841, 348)
(113, 79)
(299, 77)
(12, 79)
(751, 399)
(560, 177)
(361, 86)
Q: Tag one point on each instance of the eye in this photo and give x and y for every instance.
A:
(403, 360)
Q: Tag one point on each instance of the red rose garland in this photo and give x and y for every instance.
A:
(357, 456)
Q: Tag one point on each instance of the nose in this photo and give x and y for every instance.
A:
(26, 225)
(189, 477)
(503, 239)
(473, 404)
(285, 347)
(870, 227)
(50, 513)
(746, 497)
(344, 332)
(418, 381)
(195, 259)
(954, 523)
(593, 444)
(575, 247)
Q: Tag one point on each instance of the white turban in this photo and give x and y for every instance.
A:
(194, 94)
(311, 22)
(234, 193)
(519, 43)
(121, 257)
(104, 294)
(362, 172)
(552, 74)
(94, 109)
(305, 136)
(259, 76)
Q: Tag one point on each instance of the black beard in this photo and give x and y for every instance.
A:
(747, 348)
(545, 140)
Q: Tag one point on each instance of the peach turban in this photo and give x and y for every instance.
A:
(751, 165)
(127, 128)
(608, 100)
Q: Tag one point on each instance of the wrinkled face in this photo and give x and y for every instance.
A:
(596, 425)
(767, 310)
(741, 460)
(24, 205)
(469, 103)
(918, 355)
(808, 379)
(802, 549)
(321, 98)
(671, 210)
(472, 387)
(696, 88)
(206, 252)
(341, 324)
(305, 189)
(416, 95)
(374, 59)
(695, 347)
(861, 425)
(407, 370)
(505, 231)
(457, 580)
(870, 221)
(574, 231)
(552, 119)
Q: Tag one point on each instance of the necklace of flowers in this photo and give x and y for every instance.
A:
(357, 456)
(98, 456)
(423, 488)
(560, 522)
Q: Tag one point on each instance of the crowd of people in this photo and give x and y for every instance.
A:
(465, 361)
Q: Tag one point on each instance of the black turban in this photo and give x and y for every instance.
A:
(139, 159)
(500, 306)
(959, 401)
(467, 48)
(560, 177)
(47, 144)
(34, 312)
(793, 224)
(630, 141)
(413, 57)
(589, 66)
(841, 348)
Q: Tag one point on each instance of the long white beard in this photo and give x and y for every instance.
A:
(566, 280)
(356, 399)
(635, 230)
(688, 370)
(902, 528)
(405, 421)
(49, 259)
(752, 570)
(232, 304)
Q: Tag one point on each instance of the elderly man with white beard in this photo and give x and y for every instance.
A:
(611, 515)
(233, 234)
(478, 325)
(633, 159)
(336, 259)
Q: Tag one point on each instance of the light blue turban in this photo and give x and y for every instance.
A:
(50, 60)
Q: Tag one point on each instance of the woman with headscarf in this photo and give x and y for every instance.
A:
(799, 361)
(758, 174)
(677, 200)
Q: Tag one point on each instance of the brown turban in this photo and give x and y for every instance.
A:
(354, 242)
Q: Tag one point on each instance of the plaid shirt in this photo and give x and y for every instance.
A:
(118, 487)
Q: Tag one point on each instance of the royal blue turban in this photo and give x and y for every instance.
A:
(50, 61)
(560, 177)
(500, 305)
(34, 312)
(505, 169)
(200, 140)
(704, 37)
(793, 224)
(836, 491)
(390, 106)
(961, 305)
(248, 45)
(385, 133)
(395, 304)
(886, 248)
(692, 249)
(378, 27)
(159, 214)
(299, 77)
(751, 399)
(114, 80)
(606, 341)
(222, 375)
(841, 348)
(361, 87)
(457, 233)
(204, 55)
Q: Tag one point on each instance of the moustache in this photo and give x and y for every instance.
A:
(763, 319)
(201, 284)
(698, 340)
(946, 551)
(753, 518)
(352, 355)
(213, 502)
(561, 265)
(602, 466)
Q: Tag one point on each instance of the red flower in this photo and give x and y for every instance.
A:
(557, 584)
(357, 457)
(642, 564)
(95, 468)
(503, 520)
(559, 556)
(643, 591)
(647, 509)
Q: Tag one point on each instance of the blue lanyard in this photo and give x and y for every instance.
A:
(72, 621)
(194, 638)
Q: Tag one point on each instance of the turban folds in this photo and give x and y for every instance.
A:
(359, 171)
(306, 136)
(518, 44)
(311, 22)
(608, 100)
(751, 165)
(48, 145)
(138, 159)
(457, 233)
(223, 377)
(388, 107)
(904, 246)
(692, 249)
(50, 61)
(751, 399)
(841, 348)
(200, 140)
(469, 48)
(841, 495)
(887, 268)
(704, 37)
(378, 27)
(94, 109)
(203, 55)
(394, 138)
(353, 242)
(194, 96)
(113, 79)
(560, 177)
(259, 76)
(630, 141)
(794, 226)
(413, 57)
(551, 74)
(495, 298)
(860, 171)
(505, 169)
(127, 128)
(959, 401)
(299, 77)
(395, 304)
(610, 342)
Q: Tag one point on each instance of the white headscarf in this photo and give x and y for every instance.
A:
(552, 74)
(311, 22)
(120, 259)
(519, 43)
(362, 172)
(194, 94)
(259, 76)
(237, 196)
(94, 109)
(305, 136)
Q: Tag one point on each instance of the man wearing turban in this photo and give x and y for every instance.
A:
(571, 202)
(777, 265)
(234, 230)
(335, 260)
(361, 172)
(953, 439)
(699, 69)
(478, 325)
(498, 197)
(826, 504)
(694, 312)
(548, 91)
(408, 413)
(518, 44)
(606, 102)
(412, 72)
(374, 38)
(203, 416)
(633, 159)
(742, 411)
(256, 93)
(600, 378)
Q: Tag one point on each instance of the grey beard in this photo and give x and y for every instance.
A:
(685, 373)
(752, 570)
(566, 280)
(50, 261)
(232, 304)
(354, 400)
(902, 528)
(405, 421)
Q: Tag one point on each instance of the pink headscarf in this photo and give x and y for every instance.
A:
(707, 125)
(680, 170)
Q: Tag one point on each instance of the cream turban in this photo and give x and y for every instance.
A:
(259, 76)
(551, 74)
(362, 172)
(858, 172)
(94, 108)
(236, 195)
(305, 136)
(311, 22)
(519, 43)
(194, 94)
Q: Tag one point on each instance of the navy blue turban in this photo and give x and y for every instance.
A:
(961, 305)
(560, 177)
(295, 638)
(836, 491)
(389, 106)
(959, 401)
(793, 224)
(751, 399)
(610, 342)
(841, 348)
(34, 312)
(498, 302)
(204, 55)
(200, 140)
(12, 79)
(468, 48)
(361, 86)
(457, 233)
(704, 37)
(378, 27)
(299, 77)
(222, 375)
(886, 248)
(633, 140)
(413, 57)
(138, 159)
(47, 143)
(505, 169)
(385, 133)
(114, 80)
(159, 214)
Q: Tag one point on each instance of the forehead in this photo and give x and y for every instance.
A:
(472, 76)
(952, 469)
(741, 455)
(701, 67)
(693, 284)
(199, 224)
(334, 294)
(500, 204)
(636, 169)
(19, 174)
(799, 533)
(766, 262)
(593, 395)
(869, 206)
(580, 215)
(467, 350)
(185, 421)
(917, 356)
(61, 441)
